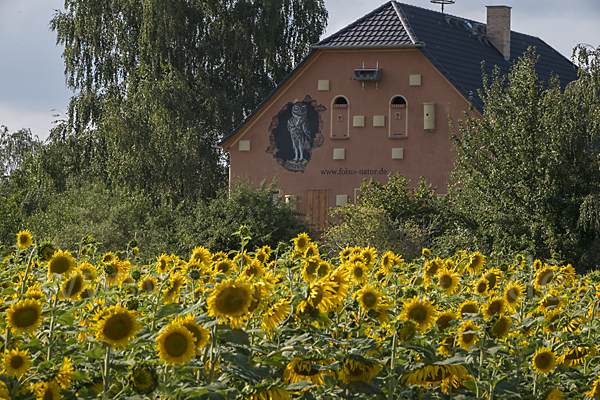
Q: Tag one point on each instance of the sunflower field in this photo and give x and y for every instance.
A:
(291, 323)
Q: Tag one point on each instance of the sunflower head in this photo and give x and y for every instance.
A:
(514, 293)
(545, 360)
(467, 335)
(230, 299)
(369, 297)
(475, 263)
(72, 287)
(301, 369)
(24, 239)
(175, 344)
(275, 314)
(495, 306)
(448, 281)
(467, 308)
(355, 369)
(301, 243)
(117, 326)
(481, 286)
(143, 378)
(501, 327)
(45, 251)
(420, 311)
(16, 363)
(24, 315)
(61, 263)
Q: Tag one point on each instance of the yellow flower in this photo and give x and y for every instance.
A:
(274, 393)
(432, 267)
(408, 331)
(369, 297)
(355, 371)
(25, 315)
(201, 254)
(136, 251)
(501, 327)
(481, 286)
(475, 263)
(175, 344)
(448, 281)
(426, 252)
(148, 283)
(173, 288)
(71, 288)
(230, 299)
(514, 294)
(319, 296)
(223, 267)
(495, 306)
(275, 314)
(117, 326)
(163, 264)
(543, 277)
(24, 239)
(431, 376)
(358, 272)
(254, 270)
(115, 270)
(108, 257)
(144, 378)
(338, 284)
(16, 363)
(263, 254)
(492, 275)
(301, 369)
(594, 390)
(545, 360)
(309, 269)
(443, 320)
(301, 243)
(554, 394)
(467, 335)
(201, 335)
(370, 255)
(65, 374)
(420, 311)
(89, 271)
(61, 263)
(4, 392)
(468, 307)
(47, 391)
(578, 354)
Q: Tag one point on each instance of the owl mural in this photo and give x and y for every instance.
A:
(299, 130)
(295, 132)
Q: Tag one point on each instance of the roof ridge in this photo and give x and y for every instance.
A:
(355, 23)
(405, 23)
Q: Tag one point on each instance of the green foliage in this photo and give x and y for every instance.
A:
(526, 170)
(159, 83)
(389, 217)
(213, 223)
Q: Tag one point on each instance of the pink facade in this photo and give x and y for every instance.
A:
(366, 138)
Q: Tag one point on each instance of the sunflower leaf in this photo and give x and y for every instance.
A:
(300, 385)
(168, 310)
(66, 318)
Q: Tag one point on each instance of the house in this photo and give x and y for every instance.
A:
(373, 99)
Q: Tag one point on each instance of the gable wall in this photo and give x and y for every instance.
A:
(368, 149)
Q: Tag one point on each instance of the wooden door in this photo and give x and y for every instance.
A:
(317, 208)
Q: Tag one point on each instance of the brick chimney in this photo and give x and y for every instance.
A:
(498, 28)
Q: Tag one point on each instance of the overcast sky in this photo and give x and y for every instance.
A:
(32, 83)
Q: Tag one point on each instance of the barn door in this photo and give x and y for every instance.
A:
(317, 207)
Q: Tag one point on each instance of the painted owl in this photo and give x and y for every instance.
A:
(299, 130)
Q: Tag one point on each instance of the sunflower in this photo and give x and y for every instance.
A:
(148, 283)
(431, 376)
(269, 393)
(34, 292)
(468, 307)
(135, 251)
(370, 255)
(260, 292)
(552, 320)
(426, 252)
(338, 285)
(475, 263)
(323, 269)
(495, 306)
(545, 360)
(173, 288)
(319, 296)
(263, 254)
(45, 251)
(116, 326)
(65, 374)
(25, 315)
(553, 394)
(447, 346)
(16, 363)
(46, 391)
(448, 280)
(108, 257)
(443, 320)
(578, 354)
(302, 369)
(254, 270)
(201, 254)
(312, 250)
(420, 311)
(387, 260)
(432, 267)
(223, 267)
(357, 369)
(24, 239)
(369, 297)
(358, 272)
(594, 389)
(407, 331)
(201, 335)
(163, 266)
(175, 344)
(61, 263)
(4, 392)
(275, 314)
(467, 335)
(501, 327)
(89, 272)
(550, 301)
(72, 287)
(514, 294)
(242, 259)
(492, 275)
(115, 270)
(481, 286)
(301, 243)
(230, 299)
(544, 277)
(143, 378)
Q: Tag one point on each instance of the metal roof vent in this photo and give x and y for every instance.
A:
(442, 2)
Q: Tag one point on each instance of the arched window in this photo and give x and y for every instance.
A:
(398, 117)
(340, 118)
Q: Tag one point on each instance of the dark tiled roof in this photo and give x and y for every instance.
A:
(455, 46)
(381, 27)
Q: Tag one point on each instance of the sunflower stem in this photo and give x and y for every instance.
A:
(213, 342)
(8, 339)
(24, 283)
(52, 321)
(106, 372)
(392, 363)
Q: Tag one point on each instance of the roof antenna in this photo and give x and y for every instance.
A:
(442, 2)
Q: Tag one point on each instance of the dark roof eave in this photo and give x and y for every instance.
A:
(370, 47)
